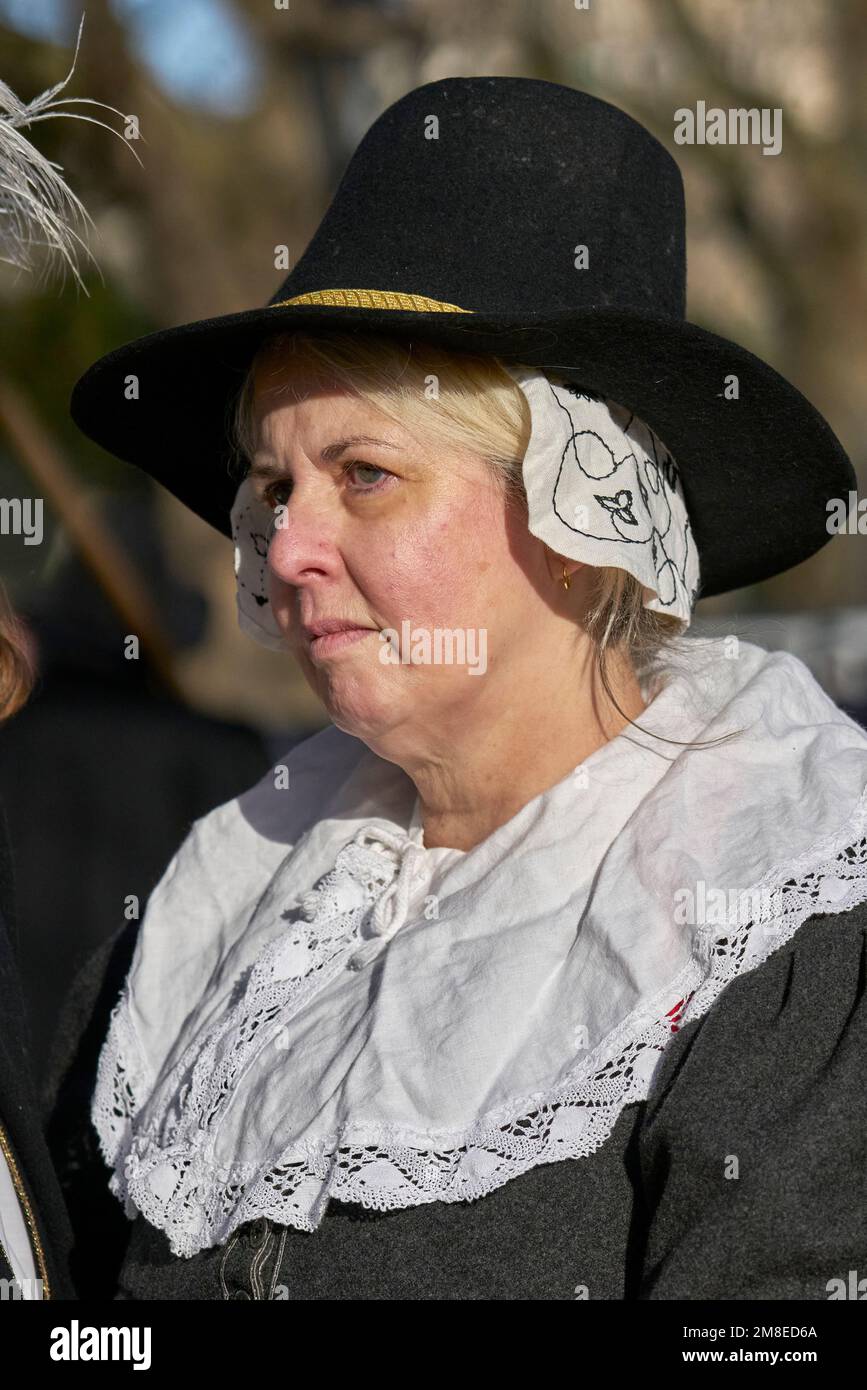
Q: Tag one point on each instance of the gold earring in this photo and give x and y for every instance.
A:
(567, 578)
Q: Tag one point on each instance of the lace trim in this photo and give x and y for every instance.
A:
(200, 1204)
(287, 972)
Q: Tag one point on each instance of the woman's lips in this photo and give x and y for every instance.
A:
(334, 641)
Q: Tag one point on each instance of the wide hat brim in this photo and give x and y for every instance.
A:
(757, 470)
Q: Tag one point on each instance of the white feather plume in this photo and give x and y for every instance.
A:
(37, 208)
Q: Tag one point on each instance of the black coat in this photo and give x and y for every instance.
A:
(20, 1117)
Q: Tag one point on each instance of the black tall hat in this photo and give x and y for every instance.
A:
(460, 221)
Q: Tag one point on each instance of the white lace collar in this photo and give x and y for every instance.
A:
(510, 1000)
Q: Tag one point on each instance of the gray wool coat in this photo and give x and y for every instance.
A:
(742, 1176)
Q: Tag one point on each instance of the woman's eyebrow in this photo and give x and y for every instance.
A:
(266, 466)
(333, 451)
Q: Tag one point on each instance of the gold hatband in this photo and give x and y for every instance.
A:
(374, 299)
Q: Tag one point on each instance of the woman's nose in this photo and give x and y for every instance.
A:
(303, 541)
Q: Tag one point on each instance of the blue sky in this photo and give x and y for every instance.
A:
(198, 50)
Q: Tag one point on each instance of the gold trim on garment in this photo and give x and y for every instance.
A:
(28, 1213)
(374, 299)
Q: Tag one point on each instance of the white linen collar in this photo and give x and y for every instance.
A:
(529, 986)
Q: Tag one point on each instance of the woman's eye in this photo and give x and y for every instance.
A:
(367, 484)
(277, 494)
(273, 494)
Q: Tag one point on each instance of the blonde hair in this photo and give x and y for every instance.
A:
(17, 676)
(477, 406)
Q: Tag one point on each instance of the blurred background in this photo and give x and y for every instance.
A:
(249, 111)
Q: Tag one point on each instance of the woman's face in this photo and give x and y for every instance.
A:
(389, 530)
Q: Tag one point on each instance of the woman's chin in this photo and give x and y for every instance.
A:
(365, 714)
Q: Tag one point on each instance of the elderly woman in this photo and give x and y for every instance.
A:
(538, 973)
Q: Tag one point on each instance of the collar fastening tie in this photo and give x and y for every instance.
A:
(391, 908)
